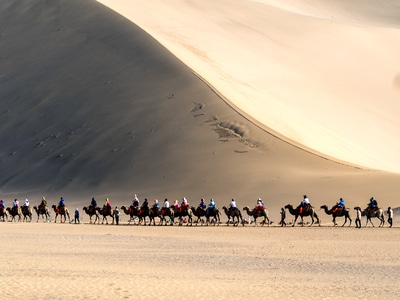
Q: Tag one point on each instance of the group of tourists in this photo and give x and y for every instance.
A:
(208, 209)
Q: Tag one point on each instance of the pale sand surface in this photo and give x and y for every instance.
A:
(62, 261)
(322, 74)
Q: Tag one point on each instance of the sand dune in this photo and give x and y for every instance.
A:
(322, 74)
(94, 106)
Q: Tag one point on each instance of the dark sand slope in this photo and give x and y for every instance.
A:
(92, 105)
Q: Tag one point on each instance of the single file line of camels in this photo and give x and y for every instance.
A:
(190, 215)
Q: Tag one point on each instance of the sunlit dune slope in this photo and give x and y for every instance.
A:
(322, 74)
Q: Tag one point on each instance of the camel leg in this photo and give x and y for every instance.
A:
(369, 219)
(294, 222)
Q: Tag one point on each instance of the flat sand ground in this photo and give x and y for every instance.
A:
(62, 261)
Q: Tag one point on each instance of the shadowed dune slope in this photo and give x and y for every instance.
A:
(92, 105)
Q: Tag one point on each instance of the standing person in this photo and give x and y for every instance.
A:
(77, 215)
(358, 217)
(116, 215)
(283, 217)
(390, 216)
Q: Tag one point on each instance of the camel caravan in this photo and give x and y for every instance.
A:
(203, 214)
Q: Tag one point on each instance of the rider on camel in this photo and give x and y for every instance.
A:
(176, 204)
(339, 205)
(184, 204)
(93, 203)
(61, 203)
(43, 203)
(259, 206)
(373, 204)
(135, 201)
(166, 203)
(211, 206)
(165, 206)
(107, 206)
(304, 203)
(15, 203)
(2, 204)
(202, 204)
(156, 204)
(26, 203)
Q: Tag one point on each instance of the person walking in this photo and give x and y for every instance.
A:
(390, 216)
(283, 217)
(116, 215)
(358, 217)
(77, 216)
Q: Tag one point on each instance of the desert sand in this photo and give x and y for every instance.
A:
(62, 261)
(96, 101)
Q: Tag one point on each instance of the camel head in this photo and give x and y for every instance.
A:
(288, 206)
(324, 207)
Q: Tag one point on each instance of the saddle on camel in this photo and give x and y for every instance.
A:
(339, 206)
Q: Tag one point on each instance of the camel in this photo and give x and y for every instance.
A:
(214, 215)
(233, 213)
(105, 212)
(198, 213)
(377, 213)
(42, 211)
(62, 211)
(91, 211)
(26, 212)
(133, 212)
(3, 214)
(142, 214)
(153, 214)
(167, 212)
(310, 211)
(183, 212)
(256, 214)
(338, 213)
(13, 212)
